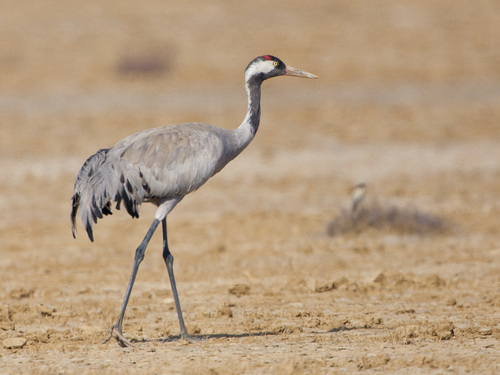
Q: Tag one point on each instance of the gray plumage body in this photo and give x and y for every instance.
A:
(154, 166)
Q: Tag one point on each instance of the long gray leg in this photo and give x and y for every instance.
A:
(116, 329)
(169, 262)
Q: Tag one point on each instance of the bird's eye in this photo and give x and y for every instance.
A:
(275, 63)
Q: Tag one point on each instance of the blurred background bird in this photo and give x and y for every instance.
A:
(357, 196)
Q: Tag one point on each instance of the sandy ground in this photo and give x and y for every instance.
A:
(408, 101)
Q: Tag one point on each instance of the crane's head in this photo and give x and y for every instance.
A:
(267, 66)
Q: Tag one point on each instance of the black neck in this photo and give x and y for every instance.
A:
(253, 90)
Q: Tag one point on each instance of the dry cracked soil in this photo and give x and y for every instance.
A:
(274, 272)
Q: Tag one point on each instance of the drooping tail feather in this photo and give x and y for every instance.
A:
(99, 183)
(84, 182)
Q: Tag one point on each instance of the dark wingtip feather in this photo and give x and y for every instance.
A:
(74, 210)
(90, 233)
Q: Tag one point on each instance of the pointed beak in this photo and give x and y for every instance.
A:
(289, 71)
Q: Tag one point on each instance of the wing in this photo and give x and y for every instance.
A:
(154, 165)
(170, 161)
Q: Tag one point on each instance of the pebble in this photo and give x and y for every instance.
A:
(485, 331)
(7, 326)
(14, 343)
(45, 310)
(239, 290)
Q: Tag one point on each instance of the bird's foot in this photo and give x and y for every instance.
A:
(189, 338)
(116, 332)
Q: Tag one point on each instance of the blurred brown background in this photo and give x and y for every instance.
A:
(408, 101)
